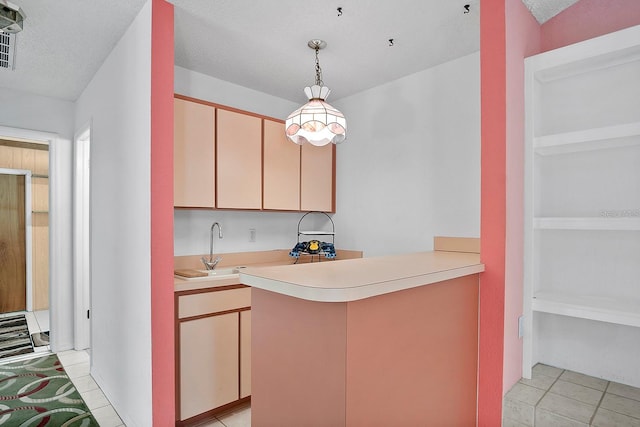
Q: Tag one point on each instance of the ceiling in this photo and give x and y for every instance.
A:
(257, 44)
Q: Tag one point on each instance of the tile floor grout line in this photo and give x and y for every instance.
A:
(599, 403)
(535, 407)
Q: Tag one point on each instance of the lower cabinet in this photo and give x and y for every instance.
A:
(213, 345)
(245, 354)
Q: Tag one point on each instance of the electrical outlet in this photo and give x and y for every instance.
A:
(520, 326)
(252, 234)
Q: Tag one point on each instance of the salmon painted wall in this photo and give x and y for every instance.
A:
(492, 210)
(587, 19)
(162, 327)
(523, 39)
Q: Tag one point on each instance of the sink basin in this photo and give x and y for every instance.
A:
(221, 271)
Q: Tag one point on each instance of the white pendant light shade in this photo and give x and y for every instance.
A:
(316, 122)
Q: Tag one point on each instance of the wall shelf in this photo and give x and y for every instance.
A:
(588, 139)
(612, 310)
(586, 223)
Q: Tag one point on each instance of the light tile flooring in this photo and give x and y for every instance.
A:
(37, 321)
(558, 398)
(237, 417)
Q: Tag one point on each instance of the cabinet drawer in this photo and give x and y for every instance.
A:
(213, 301)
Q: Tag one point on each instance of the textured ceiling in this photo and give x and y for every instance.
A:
(257, 44)
(263, 44)
(64, 42)
(543, 10)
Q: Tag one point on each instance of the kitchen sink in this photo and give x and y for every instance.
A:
(221, 271)
(218, 273)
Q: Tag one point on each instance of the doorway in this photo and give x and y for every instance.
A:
(26, 154)
(24, 235)
(81, 244)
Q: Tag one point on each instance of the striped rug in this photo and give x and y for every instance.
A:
(14, 336)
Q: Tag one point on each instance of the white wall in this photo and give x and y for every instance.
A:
(117, 102)
(274, 230)
(37, 117)
(410, 167)
(201, 86)
(409, 170)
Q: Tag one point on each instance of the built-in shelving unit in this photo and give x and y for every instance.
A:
(582, 208)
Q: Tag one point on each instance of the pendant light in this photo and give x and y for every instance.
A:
(316, 122)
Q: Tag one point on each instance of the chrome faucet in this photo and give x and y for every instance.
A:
(211, 263)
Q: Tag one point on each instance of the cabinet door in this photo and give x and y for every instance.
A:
(208, 363)
(239, 160)
(317, 178)
(193, 155)
(281, 177)
(245, 354)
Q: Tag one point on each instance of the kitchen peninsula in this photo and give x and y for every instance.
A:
(357, 342)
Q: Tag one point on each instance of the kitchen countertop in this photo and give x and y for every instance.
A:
(355, 279)
(276, 257)
(204, 282)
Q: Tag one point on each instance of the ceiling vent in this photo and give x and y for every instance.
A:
(7, 50)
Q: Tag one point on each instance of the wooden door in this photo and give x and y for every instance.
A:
(281, 166)
(13, 262)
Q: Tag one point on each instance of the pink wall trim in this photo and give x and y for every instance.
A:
(493, 210)
(587, 19)
(523, 39)
(162, 327)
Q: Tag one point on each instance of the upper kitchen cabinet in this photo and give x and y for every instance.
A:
(239, 160)
(194, 154)
(226, 158)
(281, 176)
(317, 179)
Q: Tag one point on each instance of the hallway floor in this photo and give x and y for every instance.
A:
(557, 397)
(76, 364)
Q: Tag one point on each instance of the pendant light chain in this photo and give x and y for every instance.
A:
(319, 81)
(316, 122)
